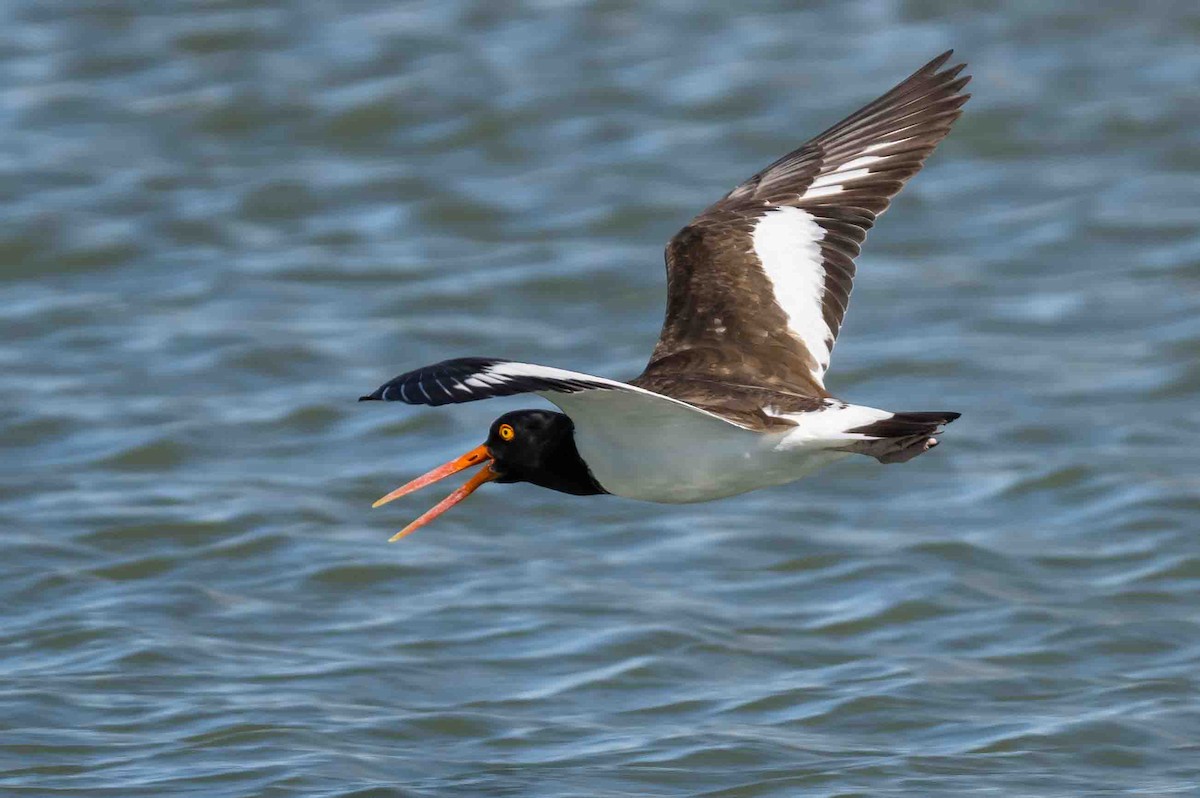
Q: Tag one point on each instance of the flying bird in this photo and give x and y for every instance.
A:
(733, 398)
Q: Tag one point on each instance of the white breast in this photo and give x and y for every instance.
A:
(658, 467)
(671, 453)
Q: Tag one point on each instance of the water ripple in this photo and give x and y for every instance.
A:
(224, 224)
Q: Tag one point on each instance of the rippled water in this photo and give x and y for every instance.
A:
(225, 221)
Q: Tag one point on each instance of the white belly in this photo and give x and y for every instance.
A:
(679, 463)
(697, 471)
(645, 447)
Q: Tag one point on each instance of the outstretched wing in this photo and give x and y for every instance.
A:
(758, 284)
(469, 379)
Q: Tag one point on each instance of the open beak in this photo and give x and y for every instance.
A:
(478, 455)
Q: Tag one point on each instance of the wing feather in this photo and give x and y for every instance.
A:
(736, 310)
(470, 379)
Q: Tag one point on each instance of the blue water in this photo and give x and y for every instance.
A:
(224, 222)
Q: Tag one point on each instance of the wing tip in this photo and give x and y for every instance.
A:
(470, 379)
(937, 61)
(949, 76)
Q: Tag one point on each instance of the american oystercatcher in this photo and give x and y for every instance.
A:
(733, 398)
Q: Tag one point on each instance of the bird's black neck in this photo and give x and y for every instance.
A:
(558, 465)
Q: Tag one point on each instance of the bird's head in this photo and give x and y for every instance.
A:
(536, 446)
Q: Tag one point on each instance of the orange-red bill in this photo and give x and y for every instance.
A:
(478, 455)
(486, 474)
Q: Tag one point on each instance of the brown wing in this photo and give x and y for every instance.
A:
(758, 284)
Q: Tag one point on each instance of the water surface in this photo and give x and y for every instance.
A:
(224, 222)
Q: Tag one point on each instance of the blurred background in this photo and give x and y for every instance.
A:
(225, 221)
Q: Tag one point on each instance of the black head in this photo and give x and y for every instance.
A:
(538, 446)
(535, 446)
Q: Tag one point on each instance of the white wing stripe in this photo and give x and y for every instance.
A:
(818, 193)
(787, 242)
(483, 378)
(879, 145)
(858, 163)
(832, 183)
(840, 176)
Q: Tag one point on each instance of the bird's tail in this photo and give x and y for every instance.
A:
(901, 436)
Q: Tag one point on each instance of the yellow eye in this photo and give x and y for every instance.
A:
(506, 432)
